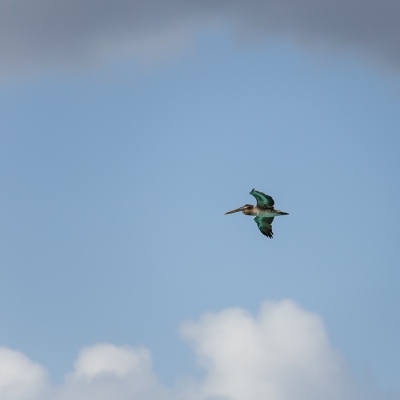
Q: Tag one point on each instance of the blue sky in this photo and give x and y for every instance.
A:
(117, 165)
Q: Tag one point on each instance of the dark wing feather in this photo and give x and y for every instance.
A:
(264, 225)
(263, 200)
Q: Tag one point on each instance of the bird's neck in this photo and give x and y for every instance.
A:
(252, 211)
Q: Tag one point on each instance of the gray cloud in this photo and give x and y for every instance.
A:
(37, 33)
(44, 33)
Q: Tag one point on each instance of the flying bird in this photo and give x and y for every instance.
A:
(264, 212)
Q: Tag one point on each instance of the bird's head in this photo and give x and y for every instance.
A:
(246, 207)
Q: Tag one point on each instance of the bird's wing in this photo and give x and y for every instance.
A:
(264, 225)
(263, 200)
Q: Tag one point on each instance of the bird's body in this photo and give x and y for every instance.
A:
(264, 212)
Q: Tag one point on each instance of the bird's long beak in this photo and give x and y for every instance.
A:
(236, 210)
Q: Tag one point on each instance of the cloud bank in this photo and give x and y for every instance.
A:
(282, 354)
(44, 33)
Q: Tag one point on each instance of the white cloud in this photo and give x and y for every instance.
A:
(284, 353)
(108, 372)
(20, 378)
(108, 359)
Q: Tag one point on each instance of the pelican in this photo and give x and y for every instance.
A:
(264, 212)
